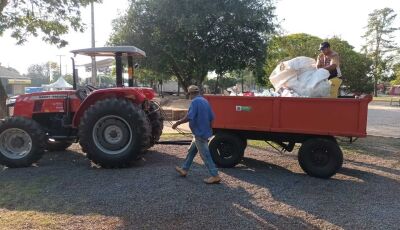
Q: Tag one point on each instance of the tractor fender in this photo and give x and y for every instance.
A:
(136, 96)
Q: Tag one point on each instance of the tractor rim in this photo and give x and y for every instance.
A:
(15, 143)
(109, 134)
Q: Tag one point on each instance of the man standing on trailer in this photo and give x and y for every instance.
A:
(200, 117)
(329, 60)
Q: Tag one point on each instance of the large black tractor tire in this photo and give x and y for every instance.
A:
(54, 146)
(157, 122)
(22, 142)
(320, 157)
(113, 132)
(226, 149)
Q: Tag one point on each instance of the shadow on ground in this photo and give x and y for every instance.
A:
(256, 194)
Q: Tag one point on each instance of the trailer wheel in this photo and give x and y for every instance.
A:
(227, 150)
(114, 132)
(22, 142)
(320, 157)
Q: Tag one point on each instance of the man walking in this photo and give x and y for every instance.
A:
(200, 117)
(329, 60)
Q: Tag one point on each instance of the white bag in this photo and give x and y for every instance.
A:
(301, 78)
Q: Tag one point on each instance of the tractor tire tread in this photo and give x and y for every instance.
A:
(38, 138)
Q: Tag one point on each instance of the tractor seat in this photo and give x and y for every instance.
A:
(83, 92)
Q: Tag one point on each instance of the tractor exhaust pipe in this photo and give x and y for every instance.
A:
(74, 74)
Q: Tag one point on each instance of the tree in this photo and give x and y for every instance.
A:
(50, 19)
(355, 66)
(189, 38)
(379, 42)
(40, 73)
(287, 47)
(396, 75)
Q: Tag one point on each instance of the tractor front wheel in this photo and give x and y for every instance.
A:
(22, 142)
(113, 132)
(157, 122)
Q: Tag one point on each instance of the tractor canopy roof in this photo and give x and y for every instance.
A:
(111, 51)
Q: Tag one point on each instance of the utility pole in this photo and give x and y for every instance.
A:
(94, 68)
(60, 63)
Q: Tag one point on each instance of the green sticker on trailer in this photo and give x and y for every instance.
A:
(240, 108)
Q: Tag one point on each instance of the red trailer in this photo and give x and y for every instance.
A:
(313, 122)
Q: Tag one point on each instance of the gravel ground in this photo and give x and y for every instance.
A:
(267, 191)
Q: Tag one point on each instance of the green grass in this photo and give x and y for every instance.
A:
(386, 98)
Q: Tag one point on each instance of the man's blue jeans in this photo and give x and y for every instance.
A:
(200, 145)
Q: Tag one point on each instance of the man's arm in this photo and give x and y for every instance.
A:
(181, 121)
(334, 63)
(320, 63)
(189, 116)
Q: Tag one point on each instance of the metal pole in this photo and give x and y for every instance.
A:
(241, 74)
(60, 56)
(130, 71)
(118, 69)
(94, 68)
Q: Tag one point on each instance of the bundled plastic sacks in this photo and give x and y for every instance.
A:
(301, 78)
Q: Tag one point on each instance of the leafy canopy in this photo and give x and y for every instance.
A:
(48, 18)
(189, 38)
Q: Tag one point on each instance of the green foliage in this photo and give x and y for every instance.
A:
(223, 83)
(148, 77)
(48, 18)
(380, 45)
(40, 73)
(396, 75)
(189, 38)
(355, 67)
(282, 48)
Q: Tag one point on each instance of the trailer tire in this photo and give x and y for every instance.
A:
(23, 135)
(320, 157)
(114, 132)
(227, 150)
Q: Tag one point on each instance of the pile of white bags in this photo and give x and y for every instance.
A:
(299, 77)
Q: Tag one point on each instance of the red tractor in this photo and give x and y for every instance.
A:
(114, 126)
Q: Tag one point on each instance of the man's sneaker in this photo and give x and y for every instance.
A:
(181, 171)
(212, 180)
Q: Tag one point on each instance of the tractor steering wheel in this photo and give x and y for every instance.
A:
(82, 93)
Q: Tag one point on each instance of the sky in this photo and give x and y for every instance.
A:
(343, 18)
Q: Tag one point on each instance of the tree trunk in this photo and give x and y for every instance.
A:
(216, 84)
(3, 99)
(375, 86)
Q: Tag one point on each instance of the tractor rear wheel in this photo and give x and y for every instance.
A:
(320, 157)
(114, 132)
(53, 146)
(22, 142)
(226, 149)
